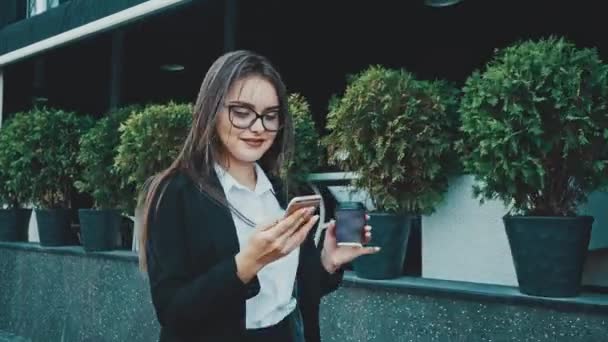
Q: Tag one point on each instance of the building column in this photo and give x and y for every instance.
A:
(230, 23)
(1, 95)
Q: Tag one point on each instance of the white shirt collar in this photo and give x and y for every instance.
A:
(228, 182)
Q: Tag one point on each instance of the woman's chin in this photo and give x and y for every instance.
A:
(247, 153)
(251, 156)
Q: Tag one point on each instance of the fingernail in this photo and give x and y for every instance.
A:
(377, 249)
(311, 210)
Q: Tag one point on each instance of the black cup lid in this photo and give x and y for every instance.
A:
(351, 205)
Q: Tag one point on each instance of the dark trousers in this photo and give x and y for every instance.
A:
(280, 332)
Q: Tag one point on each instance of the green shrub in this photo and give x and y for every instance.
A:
(43, 144)
(98, 149)
(150, 140)
(12, 194)
(397, 133)
(535, 126)
(308, 154)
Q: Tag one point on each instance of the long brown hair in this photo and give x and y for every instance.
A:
(202, 147)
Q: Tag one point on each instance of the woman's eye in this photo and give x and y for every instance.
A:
(272, 116)
(241, 112)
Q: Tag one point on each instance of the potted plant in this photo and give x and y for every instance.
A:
(308, 155)
(46, 166)
(535, 125)
(100, 226)
(150, 140)
(396, 131)
(14, 219)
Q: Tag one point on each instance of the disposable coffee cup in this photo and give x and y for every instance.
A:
(350, 222)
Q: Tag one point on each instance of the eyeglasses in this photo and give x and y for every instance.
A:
(243, 117)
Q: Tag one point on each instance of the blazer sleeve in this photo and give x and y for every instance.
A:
(183, 301)
(330, 282)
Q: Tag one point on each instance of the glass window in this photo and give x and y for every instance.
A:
(38, 6)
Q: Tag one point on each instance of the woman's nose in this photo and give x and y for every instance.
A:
(257, 126)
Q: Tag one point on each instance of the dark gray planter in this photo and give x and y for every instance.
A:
(100, 229)
(390, 232)
(14, 224)
(54, 227)
(549, 253)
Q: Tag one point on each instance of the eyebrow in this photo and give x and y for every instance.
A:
(251, 106)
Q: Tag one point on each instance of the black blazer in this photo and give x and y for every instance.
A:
(195, 290)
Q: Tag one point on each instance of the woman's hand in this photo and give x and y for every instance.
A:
(334, 256)
(274, 241)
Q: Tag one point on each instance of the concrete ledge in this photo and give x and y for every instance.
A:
(596, 302)
(415, 309)
(65, 294)
(125, 255)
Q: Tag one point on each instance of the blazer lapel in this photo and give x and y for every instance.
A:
(226, 239)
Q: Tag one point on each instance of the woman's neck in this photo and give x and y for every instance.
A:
(244, 173)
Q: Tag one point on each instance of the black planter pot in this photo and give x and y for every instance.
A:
(14, 224)
(549, 253)
(54, 227)
(100, 229)
(126, 229)
(390, 233)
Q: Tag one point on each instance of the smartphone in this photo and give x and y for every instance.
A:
(303, 202)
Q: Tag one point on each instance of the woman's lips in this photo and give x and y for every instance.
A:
(253, 142)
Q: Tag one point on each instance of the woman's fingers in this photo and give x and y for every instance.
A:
(368, 250)
(367, 234)
(331, 228)
(297, 225)
(288, 224)
(299, 236)
(267, 226)
(331, 224)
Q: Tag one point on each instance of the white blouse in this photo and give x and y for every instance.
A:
(275, 300)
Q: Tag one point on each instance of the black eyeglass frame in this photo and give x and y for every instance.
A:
(257, 116)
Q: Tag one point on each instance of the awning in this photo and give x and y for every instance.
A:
(100, 25)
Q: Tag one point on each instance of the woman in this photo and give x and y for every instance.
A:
(224, 263)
